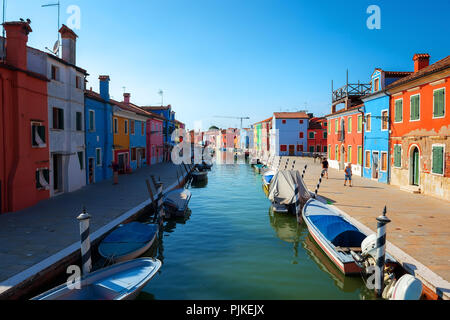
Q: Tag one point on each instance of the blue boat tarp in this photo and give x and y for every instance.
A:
(132, 232)
(337, 230)
(268, 178)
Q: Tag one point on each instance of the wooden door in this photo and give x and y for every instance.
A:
(291, 150)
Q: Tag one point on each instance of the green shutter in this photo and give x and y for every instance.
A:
(438, 108)
(349, 125)
(398, 111)
(397, 156)
(415, 108)
(438, 155)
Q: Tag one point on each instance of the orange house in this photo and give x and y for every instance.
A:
(121, 134)
(420, 128)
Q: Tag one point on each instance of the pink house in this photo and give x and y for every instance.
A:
(155, 141)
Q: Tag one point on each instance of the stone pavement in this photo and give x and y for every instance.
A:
(29, 236)
(420, 224)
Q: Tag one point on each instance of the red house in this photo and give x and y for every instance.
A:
(317, 135)
(24, 147)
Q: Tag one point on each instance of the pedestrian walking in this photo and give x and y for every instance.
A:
(348, 174)
(325, 167)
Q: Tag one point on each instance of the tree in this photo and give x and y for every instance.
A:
(213, 128)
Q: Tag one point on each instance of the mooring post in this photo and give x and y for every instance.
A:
(297, 205)
(150, 192)
(85, 241)
(293, 165)
(382, 221)
(318, 185)
(304, 170)
(160, 210)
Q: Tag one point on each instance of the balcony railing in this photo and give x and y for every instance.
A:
(351, 90)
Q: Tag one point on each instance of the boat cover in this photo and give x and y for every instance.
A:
(282, 187)
(178, 197)
(132, 232)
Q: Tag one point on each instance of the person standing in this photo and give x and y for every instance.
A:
(348, 174)
(325, 167)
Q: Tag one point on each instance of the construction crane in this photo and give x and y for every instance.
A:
(241, 118)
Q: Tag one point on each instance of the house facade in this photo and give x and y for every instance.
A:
(317, 135)
(24, 145)
(155, 140)
(419, 139)
(289, 133)
(99, 133)
(65, 113)
(376, 156)
(121, 136)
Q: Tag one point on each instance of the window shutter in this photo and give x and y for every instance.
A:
(61, 118)
(33, 136)
(438, 107)
(38, 185)
(41, 132)
(438, 153)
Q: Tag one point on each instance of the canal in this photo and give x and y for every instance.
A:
(233, 247)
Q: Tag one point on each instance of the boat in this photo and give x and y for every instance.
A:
(258, 167)
(176, 202)
(335, 235)
(122, 281)
(266, 178)
(198, 175)
(282, 190)
(128, 241)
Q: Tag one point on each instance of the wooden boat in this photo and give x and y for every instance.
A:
(335, 235)
(199, 175)
(128, 241)
(122, 281)
(176, 202)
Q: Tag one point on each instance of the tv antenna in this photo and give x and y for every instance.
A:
(58, 42)
(161, 93)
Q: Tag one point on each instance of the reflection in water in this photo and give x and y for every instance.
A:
(199, 183)
(347, 284)
(286, 228)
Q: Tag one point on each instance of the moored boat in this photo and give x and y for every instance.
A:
(282, 190)
(128, 241)
(176, 202)
(266, 179)
(199, 175)
(122, 281)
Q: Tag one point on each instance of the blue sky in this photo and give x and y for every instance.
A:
(240, 57)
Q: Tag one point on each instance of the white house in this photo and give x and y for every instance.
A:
(65, 113)
(289, 133)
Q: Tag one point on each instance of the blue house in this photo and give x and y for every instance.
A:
(99, 136)
(376, 158)
(138, 143)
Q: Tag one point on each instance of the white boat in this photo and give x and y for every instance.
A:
(122, 281)
(128, 241)
(176, 202)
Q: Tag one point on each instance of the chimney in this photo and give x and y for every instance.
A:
(126, 98)
(421, 60)
(104, 87)
(16, 43)
(69, 41)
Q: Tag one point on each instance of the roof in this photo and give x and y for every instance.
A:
(266, 120)
(291, 115)
(316, 123)
(28, 72)
(396, 73)
(433, 68)
(156, 107)
(355, 108)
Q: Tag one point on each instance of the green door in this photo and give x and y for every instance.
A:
(415, 179)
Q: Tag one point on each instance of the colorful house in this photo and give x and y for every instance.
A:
(420, 128)
(65, 113)
(99, 133)
(155, 140)
(121, 140)
(376, 133)
(289, 133)
(24, 146)
(317, 135)
(262, 131)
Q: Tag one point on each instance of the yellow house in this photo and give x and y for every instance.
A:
(121, 134)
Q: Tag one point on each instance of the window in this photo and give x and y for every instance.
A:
(55, 73)
(359, 129)
(336, 126)
(299, 147)
(81, 159)
(329, 129)
(311, 135)
(42, 179)
(336, 152)
(58, 118)
(79, 121)
(38, 135)
(132, 124)
(301, 121)
(126, 127)
(116, 126)
(360, 155)
(78, 83)
(377, 84)
(368, 122)
(384, 120)
(437, 157)
(349, 124)
(329, 151)
(367, 156)
(397, 155)
(311, 149)
(415, 107)
(133, 154)
(349, 154)
(325, 134)
(98, 157)
(91, 120)
(283, 121)
(384, 161)
(283, 148)
(318, 148)
(325, 149)
(398, 110)
(438, 103)
(142, 128)
(301, 135)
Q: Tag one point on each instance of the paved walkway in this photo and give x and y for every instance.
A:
(29, 236)
(420, 224)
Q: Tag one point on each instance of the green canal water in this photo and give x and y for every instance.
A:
(233, 247)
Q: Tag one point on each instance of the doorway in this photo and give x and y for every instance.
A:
(57, 174)
(91, 166)
(375, 165)
(342, 159)
(291, 150)
(414, 166)
(123, 162)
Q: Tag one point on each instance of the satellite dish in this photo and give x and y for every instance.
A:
(56, 47)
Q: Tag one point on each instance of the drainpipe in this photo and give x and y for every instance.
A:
(362, 144)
